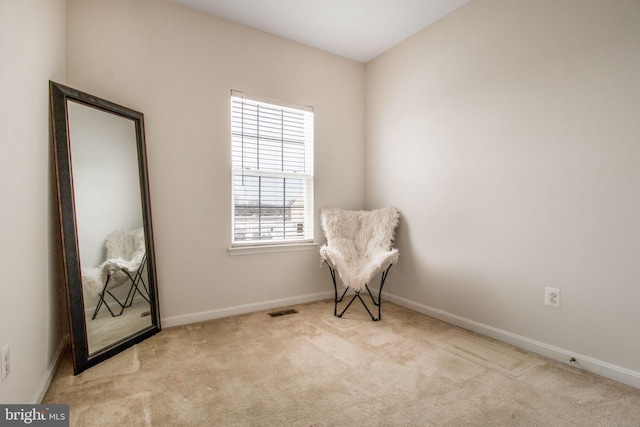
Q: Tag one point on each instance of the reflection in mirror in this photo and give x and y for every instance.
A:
(109, 224)
(105, 220)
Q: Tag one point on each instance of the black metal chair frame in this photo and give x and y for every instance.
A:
(377, 303)
(136, 280)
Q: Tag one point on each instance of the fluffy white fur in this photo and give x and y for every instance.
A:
(359, 243)
(125, 251)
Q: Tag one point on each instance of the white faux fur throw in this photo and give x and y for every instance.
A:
(125, 251)
(359, 243)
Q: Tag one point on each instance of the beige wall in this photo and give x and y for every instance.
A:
(178, 66)
(507, 134)
(32, 309)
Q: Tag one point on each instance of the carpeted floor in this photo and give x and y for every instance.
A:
(313, 369)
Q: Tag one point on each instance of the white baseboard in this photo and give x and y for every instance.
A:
(242, 309)
(51, 371)
(607, 370)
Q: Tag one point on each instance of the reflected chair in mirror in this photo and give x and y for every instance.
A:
(125, 263)
(359, 246)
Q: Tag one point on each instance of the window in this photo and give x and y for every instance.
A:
(272, 166)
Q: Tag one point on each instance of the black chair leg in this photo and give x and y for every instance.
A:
(135, 280)
(377, 303)
(102, 301)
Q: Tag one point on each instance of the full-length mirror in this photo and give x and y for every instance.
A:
(105, 220)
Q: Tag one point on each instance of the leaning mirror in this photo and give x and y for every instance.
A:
(105, 224)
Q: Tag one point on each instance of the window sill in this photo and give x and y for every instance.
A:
(261, 249)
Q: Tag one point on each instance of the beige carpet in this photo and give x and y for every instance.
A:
(312, 369)
(105, 329)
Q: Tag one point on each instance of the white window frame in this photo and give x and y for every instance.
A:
(239, 169)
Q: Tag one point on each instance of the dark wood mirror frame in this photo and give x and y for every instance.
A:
(59, 96)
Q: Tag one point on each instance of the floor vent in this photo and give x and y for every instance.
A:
(283, 312)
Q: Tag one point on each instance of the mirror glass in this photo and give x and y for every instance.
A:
(106, 186)
(105, 223)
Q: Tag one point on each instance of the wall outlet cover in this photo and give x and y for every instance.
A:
(552, 297)
(5, 362)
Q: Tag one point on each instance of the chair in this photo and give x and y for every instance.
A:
(358, 248)
(126, 260)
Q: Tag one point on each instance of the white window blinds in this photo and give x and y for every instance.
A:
(272, 164)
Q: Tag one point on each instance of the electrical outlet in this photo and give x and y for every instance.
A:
(552, 297)
(5, 362)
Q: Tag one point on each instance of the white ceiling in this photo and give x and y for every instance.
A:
(356, 29)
